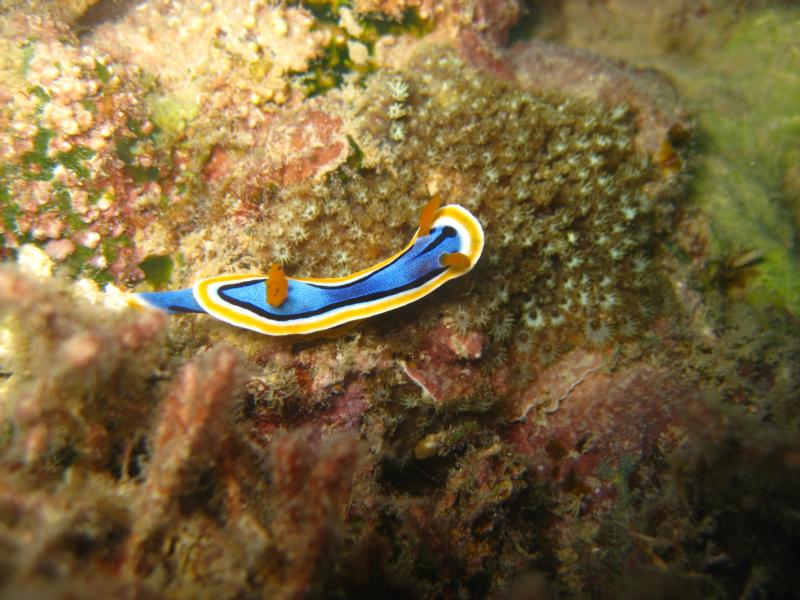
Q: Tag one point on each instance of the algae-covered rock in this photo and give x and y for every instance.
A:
(749, 101)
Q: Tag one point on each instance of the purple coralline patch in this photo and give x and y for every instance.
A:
(444, 366)
(601, 420)
(302, 144)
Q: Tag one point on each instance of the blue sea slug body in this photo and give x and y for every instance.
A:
(447, 244)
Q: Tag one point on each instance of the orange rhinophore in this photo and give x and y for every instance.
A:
(455, 259)
(277, 286)
(428, 214)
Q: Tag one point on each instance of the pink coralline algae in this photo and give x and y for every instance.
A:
(313, 480)
(444, 368)
(301, 145)
(191, 432)
(78, 152)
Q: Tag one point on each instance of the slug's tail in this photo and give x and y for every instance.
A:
(175, 301)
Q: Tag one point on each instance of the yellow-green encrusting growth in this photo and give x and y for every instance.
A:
(559, 188)
(557, 185)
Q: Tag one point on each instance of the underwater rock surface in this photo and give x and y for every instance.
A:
(591, 412)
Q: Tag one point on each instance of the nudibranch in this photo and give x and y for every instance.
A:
(446, 245)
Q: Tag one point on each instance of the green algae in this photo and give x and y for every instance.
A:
(752, 125)
(9, 210)
(157, 270)
(28, 51)
(335, 65)
(172, 113)
(127, 150)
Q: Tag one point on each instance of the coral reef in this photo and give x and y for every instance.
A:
(593, 411)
